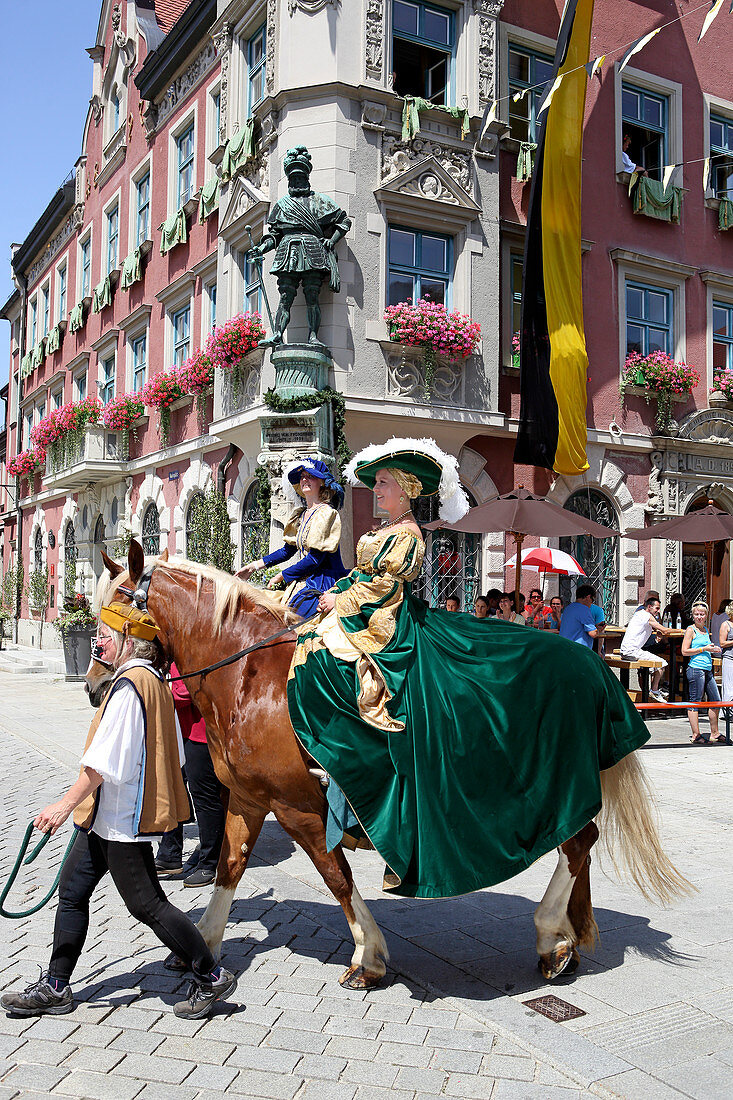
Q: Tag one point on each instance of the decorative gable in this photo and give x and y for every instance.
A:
(247, 205)
(427, 190)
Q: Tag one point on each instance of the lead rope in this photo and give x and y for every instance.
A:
(25, 863)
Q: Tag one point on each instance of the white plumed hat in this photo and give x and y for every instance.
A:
(423, 458)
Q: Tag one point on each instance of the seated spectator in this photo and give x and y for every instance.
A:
(506, 610)
(641, 627)
(536, 610)
(651, 593)
(554, 615)
(675, 614)
(578, 623)
(628, 163)
(493, 596)
(452, 603)
(481, 607)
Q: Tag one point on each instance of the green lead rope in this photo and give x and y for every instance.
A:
(25, 863)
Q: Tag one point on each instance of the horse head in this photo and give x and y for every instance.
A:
(121, 587)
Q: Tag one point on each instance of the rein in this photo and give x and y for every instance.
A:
(25, 863)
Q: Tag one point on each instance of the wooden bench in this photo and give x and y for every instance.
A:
(615, 660)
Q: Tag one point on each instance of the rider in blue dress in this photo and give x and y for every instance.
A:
(313, 531)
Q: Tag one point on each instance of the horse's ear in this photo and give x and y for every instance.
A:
(135, 561)
(164, 555)
(112, 567)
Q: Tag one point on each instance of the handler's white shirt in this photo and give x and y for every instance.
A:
(117, 754)
(638, 632)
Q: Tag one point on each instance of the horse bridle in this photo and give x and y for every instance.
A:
(139, 597)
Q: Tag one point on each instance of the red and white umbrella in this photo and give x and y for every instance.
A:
(548, 560)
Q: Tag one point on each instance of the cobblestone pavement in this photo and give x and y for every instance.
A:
(657, 993)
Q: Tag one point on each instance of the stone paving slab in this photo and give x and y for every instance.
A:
(658, 994)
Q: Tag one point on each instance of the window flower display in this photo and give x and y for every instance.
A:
(120, 414)
(429, 325)
(661, 377)
(162, 391)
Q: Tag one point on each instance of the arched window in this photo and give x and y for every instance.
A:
(452, 565)
(38, 551)
(598, 557)
(151, 530)
(196, 533)
(69, 560)
(255, 533)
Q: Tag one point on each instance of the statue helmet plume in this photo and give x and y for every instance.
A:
(298, 159)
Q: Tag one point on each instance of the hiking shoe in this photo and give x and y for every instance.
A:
(202, 996)
(39, 999)
(167, 869)
(202, 876)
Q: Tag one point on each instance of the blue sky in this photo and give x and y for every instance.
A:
(45, 85)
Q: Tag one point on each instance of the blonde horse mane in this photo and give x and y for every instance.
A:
(229, 592)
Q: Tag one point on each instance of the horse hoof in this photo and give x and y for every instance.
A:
(564, 959)
(356, 977)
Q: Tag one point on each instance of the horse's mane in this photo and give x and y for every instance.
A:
(229, 592)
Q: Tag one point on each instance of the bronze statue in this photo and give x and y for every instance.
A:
(305, 228)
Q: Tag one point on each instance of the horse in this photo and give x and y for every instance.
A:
(205, 615)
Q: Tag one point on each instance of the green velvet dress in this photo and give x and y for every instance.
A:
(467, 748)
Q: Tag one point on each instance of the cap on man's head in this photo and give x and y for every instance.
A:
(128, 619)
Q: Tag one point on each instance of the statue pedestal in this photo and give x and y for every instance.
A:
(300, 369)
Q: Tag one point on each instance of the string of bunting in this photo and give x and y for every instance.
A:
(595, 67)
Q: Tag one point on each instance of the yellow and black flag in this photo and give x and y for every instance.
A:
(553, 358)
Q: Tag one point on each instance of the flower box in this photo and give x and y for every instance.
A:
(659, 377)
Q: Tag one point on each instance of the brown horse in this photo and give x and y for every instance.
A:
(205, 615)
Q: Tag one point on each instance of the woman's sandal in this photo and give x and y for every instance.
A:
(699, 740)
(720, 739)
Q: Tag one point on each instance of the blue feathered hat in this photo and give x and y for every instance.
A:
(315, 468)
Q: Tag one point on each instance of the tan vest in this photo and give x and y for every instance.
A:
(165, 802)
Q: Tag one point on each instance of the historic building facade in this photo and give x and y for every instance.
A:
(191, 115)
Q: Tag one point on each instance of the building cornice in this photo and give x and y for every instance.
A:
(161, 66)
(658, 263)
(60, 205)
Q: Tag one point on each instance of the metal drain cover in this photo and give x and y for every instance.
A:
(554, 1009)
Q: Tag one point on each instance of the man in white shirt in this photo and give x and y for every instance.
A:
(642, 625)
(628, 163)
(129, 791)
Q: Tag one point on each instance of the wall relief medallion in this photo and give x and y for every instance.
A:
(310, 7)
(399, 156)
(373, 115)
(708, 426)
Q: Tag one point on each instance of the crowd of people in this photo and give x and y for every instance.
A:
(581, 621)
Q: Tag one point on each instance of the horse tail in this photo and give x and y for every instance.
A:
(628, 824)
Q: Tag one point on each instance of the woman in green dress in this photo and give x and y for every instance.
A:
(466, 749)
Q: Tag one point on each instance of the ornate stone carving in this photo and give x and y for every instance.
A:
(96, 104)
(399, 156)
(671, 568)
(125, 45)
(242, 395)
(673, 497)
(654, 502)
(374, 39)
(488, 12)
(54, 246)
(429, 186)
(406, 378)
(223, 44)
(271, 36)
(373, 115)
(709, 426)
(186, 82)
(268, 125)
(310, 7)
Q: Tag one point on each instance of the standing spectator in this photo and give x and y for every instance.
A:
(628, 163)
(536, 610)
(207, 794)
(554, 617)
(720, 617)
(725, 638)
(452, 603)
(698, 646)
(641, 627)
(675, 615)
(506, 610)
(481, 607)
(578, 623)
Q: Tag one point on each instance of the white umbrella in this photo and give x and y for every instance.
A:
(548, 560)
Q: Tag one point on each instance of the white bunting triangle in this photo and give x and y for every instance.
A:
(489, 117)
(520, 95)
(668, 173)
(715, 8)
(706, 174)
(635, 47)
(548, 98)
(632, 181)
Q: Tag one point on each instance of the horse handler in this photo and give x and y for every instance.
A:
(130, 791)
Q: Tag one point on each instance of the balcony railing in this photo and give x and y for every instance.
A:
(97, 456)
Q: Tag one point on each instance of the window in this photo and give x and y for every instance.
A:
(216, 104)
(142, 208)
(86, 267)
(195, 528)
(252, 288)
(80, 386)
(57, 399)
(45, 309)
(28, 428)
(531, 72)
(648, 319)
(722, 337)
(38, 551)
(139, 362)
(151, 531)
(516, 270)
(452, 563)
(69, 560)
(62, 293)
(256, 69)
(644, 118)
(107, 379)
(255, 535)
(598, 557)
(185, 154)
(422, 51)
(113, 237)
(420, 266)
(181, 336)
(721, 150)
(211, 299)
(34, 321)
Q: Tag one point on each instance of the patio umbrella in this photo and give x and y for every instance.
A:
(708, 525)
(548, 560)
(522, 513)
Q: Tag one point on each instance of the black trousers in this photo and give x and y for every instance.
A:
(133, 872)
(206, 791)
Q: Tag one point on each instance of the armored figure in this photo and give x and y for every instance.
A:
(305, 228)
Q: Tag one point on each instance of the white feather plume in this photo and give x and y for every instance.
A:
(453, 500)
